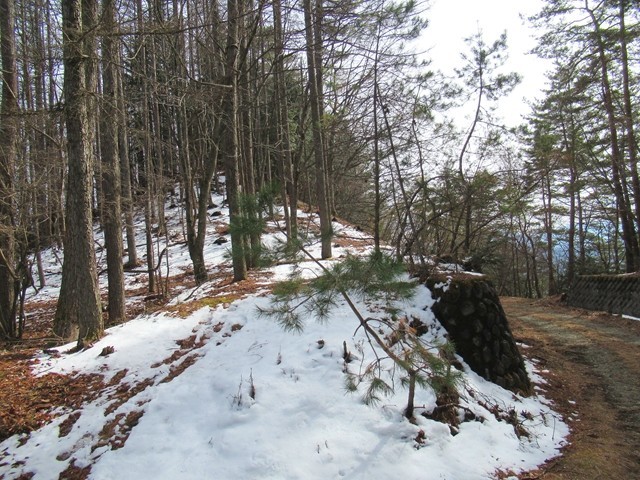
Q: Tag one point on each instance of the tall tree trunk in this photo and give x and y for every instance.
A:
(286, 166)
(112, 213)
(632, 146)
(571, 258)
(158, 157)
(377, 203)
(313, 67)
(247, 82)
(125, 173)
(548, 228)
(198, 165)
(147, 154)
(90, 24)
(8, 151)
(32, 37)
(232, 158)
(629, 234)
(79, 301)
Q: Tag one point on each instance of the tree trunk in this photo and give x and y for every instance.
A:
(157, 159)
(232, 159)
(8, 151)
(89, 24)
(377, 203)
(79, 301)
(247, 80)
(571, 258)
(112, 212)
(147, 154)
(548, 228)
(282, 111)
(198, 165)
(629, 234)
(632, 147)
(125, 174)
(313, 68)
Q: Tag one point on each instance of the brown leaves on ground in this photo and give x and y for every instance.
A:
(74, 472)
(116, 432)
(26, 401)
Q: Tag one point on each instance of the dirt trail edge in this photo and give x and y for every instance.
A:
(591, 361)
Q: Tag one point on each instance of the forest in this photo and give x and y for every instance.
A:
(116, 107)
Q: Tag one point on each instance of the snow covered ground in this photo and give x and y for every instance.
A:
(223, 393)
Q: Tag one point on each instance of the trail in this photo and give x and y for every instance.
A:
(594, 364)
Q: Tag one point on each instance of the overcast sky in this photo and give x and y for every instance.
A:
(451, 21)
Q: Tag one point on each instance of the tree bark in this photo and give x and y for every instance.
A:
(232, 158)
(125, 174)
(79, 301)
(112, 212)
(632, 146)
(548, 225)
(247, 79)
(629, 234)
(286, 165)
(147, 154)
(313, 56)
(8, 151)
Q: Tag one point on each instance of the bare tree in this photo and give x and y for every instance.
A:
(8, 136)
(232, 154)
(112, 211)
(79, 301)
(289, 193)
(312, 23)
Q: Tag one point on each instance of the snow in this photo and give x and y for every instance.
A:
(300, 423)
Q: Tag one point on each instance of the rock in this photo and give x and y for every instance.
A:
(486, 354)
(467, 309)
(471, 312)
(495, 346)
(477, 326)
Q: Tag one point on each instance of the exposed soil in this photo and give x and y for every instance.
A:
(591, 361)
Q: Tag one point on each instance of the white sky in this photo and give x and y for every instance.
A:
(451, 21)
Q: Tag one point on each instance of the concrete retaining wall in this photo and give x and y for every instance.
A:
(609, 293)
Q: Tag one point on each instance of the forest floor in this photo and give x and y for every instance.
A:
(591, 361)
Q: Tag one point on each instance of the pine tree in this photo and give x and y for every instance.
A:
(378, 278)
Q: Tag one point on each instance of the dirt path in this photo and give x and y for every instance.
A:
(594, 360)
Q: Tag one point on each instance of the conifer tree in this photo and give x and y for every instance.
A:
(378, 278)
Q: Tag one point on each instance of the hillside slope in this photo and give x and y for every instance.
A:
(206, 388)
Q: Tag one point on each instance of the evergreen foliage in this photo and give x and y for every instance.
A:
(254, 209)
(377, 278)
